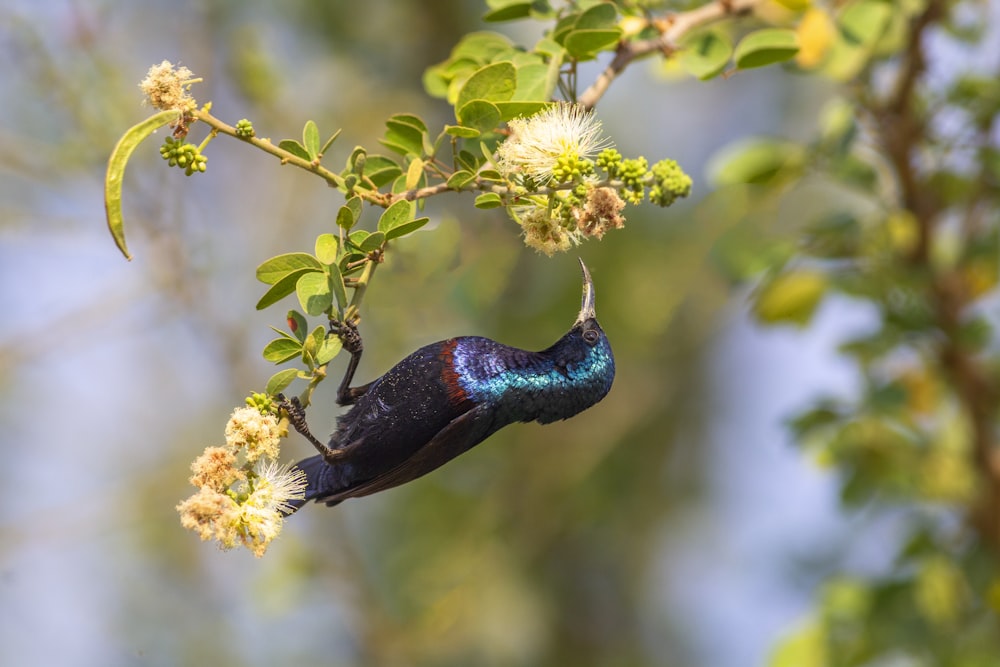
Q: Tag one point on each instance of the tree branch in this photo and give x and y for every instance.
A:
(673, 28)
(903, 132)
(334, 180)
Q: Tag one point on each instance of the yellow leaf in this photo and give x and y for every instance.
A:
(980, 276)
(670, 69)
(791, 297)
(413, 173)
(116, 171)
(940, 591)
(816, 34)
(993, 596)
(922, 391)
(806, 647)
(904, 231)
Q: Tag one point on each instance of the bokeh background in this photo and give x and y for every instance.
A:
(672, 524)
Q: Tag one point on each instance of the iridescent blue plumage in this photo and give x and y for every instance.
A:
(545, 386)
(449, 396)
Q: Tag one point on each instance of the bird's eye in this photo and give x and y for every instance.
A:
(591, 336)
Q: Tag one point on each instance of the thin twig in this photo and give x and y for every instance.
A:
(675, 27)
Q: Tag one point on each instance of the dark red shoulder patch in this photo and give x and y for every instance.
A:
(456, 394)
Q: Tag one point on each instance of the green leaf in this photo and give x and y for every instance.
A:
(280, 350)
(283, 334)
(510, 11)
(862, 23)
(398, 185)
(461, 131)
(396, 214)
(705, 55)
(756, 161)
(533, 84)
(549, 47)
(493, 83)
(358, 237)
(329, 142)
(600, 16)
(297, 324)
(583, 44)
(479, 114)
(564, 27)
(310, 139)
(795, 5)
(468, 160)
(373, 241)
(765, 47)
(861, 26)
(326, 248)
(345, 218)
(412, 120)
(336, 279)
(295, 148)
(488, 200)
(355, 204)
(311, 345)
(313, 290)
(280, 381)
(417, 123)
(274, 269)
(791, 297)
(403, 138)
(281, 288)
(359, 153)
(405, 228)
(509, 110)
(480, 47)
(460, 178)
(328, 349)
(116, 172)
(381, 170)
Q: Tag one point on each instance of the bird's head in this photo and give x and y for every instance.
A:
(586, 321)
(582, 359)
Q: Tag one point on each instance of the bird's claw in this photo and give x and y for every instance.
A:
(297, 418)
(296, 413)
(349, 335)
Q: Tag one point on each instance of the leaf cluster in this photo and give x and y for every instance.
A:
(341, 263)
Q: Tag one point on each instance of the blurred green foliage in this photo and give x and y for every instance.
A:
(893, 204)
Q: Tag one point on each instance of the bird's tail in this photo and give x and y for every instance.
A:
(314, 467)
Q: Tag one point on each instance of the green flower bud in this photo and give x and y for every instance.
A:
(670, 183)
(610, 161)
(244, 129)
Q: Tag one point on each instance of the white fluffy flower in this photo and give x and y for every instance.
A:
(276, 485)
(169, 87)
(257, 432)
(536, 144)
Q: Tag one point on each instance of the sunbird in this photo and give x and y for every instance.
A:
(446, 398)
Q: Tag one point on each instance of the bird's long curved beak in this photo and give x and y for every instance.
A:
(587, 311)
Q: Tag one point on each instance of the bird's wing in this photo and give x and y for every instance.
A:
(460, 435)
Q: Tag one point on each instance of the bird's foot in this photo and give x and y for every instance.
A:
(297, 418)
(349, 335)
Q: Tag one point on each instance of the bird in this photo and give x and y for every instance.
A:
(444, 399)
